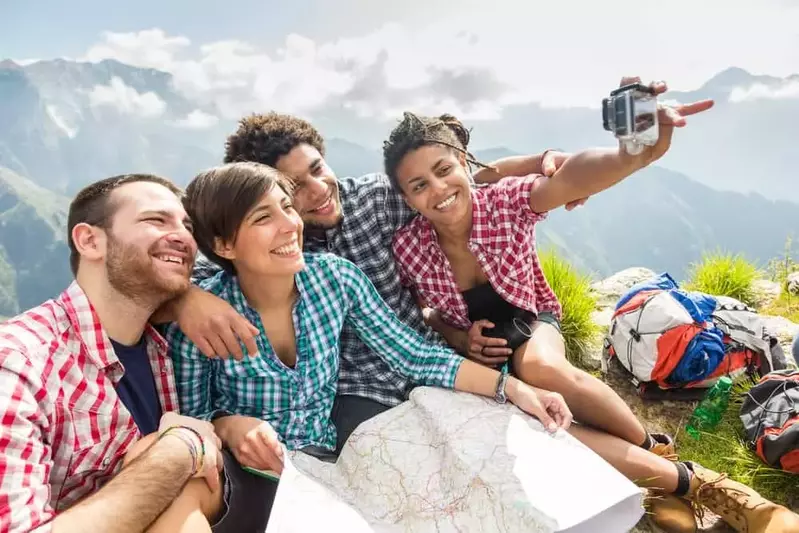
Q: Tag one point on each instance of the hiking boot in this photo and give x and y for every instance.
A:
(664, 446)
(738, 505)
(669, 513)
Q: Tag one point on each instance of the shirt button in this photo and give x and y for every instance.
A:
(106, 461)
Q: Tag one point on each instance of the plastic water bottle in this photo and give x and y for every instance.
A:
(711, 409)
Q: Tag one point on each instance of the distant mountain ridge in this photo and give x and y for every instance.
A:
(55, 137)
(34, 257)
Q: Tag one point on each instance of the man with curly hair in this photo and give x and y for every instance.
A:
(352, 217)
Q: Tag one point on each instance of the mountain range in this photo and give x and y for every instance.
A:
(727, 183)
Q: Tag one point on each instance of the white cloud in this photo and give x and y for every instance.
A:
(126, 99)
(760, 91)
(476, 61)
(148, 48)
(197, 120)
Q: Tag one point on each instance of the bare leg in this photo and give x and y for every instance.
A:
(191, 511)
(542, 362)
(640, 466)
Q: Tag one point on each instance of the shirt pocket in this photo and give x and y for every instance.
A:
(100, 441)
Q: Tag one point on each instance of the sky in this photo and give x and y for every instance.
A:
(374, 57)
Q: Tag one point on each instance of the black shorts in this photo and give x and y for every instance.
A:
(247, 499)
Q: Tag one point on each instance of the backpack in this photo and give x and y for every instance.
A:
(770, 415)
(670, 339)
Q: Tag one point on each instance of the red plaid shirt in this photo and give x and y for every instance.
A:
(502, 240)
(64, 429)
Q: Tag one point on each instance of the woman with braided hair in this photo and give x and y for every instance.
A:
(470, 256)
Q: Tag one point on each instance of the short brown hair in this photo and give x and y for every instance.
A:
(219, 198)
(93, 206)
(265, 138)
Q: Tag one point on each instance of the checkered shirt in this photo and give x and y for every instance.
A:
(372, 212)
(297, 401)
(64, 429)
(502, 240)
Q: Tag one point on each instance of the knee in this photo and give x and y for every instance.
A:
(209, 502)
(550, 369)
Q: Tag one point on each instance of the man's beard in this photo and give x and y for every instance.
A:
(131, 272)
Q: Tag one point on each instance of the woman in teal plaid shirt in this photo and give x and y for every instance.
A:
(244, 221)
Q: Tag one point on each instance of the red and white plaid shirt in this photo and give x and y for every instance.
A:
(502, 240)
(64, 429)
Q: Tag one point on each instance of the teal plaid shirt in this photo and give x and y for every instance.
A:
(297, 401)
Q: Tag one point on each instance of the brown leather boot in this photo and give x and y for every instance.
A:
(738, 505)
(669, 513)
(664, 446)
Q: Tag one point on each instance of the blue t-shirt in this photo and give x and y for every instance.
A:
(136, 389)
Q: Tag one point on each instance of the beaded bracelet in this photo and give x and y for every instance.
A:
(197, 465)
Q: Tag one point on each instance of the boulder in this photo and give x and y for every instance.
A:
(766, 291)
(610, 289)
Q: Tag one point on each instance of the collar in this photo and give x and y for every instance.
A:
(84, 321)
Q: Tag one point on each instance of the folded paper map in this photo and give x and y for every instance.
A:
(446, 461)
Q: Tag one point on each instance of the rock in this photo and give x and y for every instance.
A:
(783, 329)
(793, 283)
(610, 289)
(766, 291)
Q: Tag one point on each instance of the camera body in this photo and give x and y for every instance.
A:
(631, 114)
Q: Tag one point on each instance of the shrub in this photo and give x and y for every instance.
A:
(724, 274)
(573, 290)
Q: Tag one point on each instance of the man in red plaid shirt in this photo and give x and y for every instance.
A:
(90, 438)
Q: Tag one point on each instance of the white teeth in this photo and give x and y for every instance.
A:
(446, 203)
(287, 249)
(323, 206)
(171, 259)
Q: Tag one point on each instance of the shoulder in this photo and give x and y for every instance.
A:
(28, 339)
(220, 284)
(375, 185)
(326, 264)
(408, 237)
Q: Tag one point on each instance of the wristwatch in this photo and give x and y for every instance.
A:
(500, 395)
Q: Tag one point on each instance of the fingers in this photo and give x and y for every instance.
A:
(205, 348)
(218, 346)
(545, 419)
(272, 450)
(694, 108)
(212, 465)
(488, 359)
(627, 80)
(495, 351)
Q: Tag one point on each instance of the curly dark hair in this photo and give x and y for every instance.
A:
(265, 138)
(415, 131)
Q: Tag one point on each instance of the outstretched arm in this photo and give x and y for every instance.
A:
(592, 171)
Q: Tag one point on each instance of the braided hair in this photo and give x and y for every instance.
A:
(416, 131)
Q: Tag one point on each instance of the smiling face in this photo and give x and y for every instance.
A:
(316, 193)
(148, 247)
(434, 181)
(269, 240)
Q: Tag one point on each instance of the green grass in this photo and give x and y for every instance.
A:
(786, 305)
(724, 450)
(724, 274)
(573, 290)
